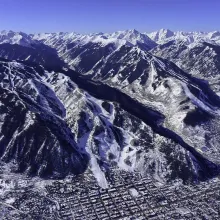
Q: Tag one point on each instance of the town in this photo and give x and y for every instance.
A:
(130, 196)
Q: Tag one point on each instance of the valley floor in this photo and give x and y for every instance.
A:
(130, 196)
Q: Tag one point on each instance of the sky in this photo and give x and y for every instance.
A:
(89, 16)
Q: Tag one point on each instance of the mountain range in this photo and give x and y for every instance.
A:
(146, 102)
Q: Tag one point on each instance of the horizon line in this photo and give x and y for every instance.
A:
(101, 32)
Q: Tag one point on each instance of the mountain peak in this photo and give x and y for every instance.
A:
(133, 31)
(165, 30)
(161, 35)
(19, 38)
(214, 34)
(166, 33)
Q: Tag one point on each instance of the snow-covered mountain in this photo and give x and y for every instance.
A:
(132, 37)
(30, 117)
(201, 59)
(158, 83)
(165, 35)
(19, 38)
(99, 101)
(62, 129)
(21, 46)
(76, 49)
(161, 35)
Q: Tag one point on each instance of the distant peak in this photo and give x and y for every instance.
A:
(166, 31)
(132, 31)
(214, 34)
(99, 33)
(6, 32)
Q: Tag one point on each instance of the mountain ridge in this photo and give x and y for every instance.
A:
(109, 97)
